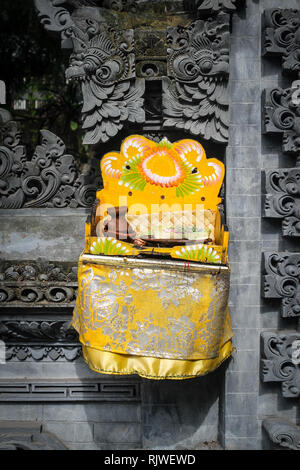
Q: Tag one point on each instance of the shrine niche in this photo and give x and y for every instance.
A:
(158, 196)
(159, 201)
(141, 86)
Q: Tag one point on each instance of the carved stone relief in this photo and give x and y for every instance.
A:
(36, 284)
(281, 276)
(282, 116)
(282, 198)
(113, 54)
(216, 6)
(195, 98)
(104, 65)
(281, 280)
(282, 37)
(47, 179)
(283, 433)
(278, 364)
(38, 340)
(103, 61)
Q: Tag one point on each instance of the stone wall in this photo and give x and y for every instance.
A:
(225, 408)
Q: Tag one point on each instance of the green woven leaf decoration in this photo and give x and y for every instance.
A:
(131, 176)
(108, 246)
(201, 253)
(192, 182)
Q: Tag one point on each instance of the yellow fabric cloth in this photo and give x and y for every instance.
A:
(155, 321)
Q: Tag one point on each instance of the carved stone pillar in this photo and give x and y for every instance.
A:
(281, 116)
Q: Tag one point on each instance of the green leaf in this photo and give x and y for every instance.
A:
(73, 125)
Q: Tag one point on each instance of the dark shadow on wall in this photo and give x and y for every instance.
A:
(170, 414)
(182, 414)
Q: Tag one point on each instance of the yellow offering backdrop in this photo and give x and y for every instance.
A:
(153, 281)
(154, 318)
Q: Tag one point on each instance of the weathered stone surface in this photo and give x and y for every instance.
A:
(282, 198)
(55, 234)
(281, 37)
(26, 435)
(283, 433)
(281, 111)
(281, 281)
(281, 363)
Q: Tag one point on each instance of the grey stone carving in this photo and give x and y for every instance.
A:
(279, 363)
(135, 6)
(103, 62)
(281, 280)
(283, 433)
(27, 435)
(104, 65)
(281, 109)
(108, 56)
(37, 283)
(282, 198)
(216, 6)
(74, 390)
(49, 178)
(150, 55)
(37, 340)
(54, 17)
(281, 37)
(38, 330)
(195, 95)
(33, 352)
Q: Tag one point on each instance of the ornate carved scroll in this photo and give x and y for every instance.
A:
(281, 276)
(282, 198)
(104, 65)
(216, 6)
(281, 116)
(38, 340)
(195, 97)
(24, 352)
(282, 281)
(283, 433)
(36, 284)
(282, 37)
(54, 17)
(48, 179)
(103, 62)
(278, 364)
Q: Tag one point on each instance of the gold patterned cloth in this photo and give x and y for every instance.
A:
(159, 319)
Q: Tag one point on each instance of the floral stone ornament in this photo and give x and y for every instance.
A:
(159, 197)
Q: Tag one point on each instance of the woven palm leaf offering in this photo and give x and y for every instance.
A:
(153, 280)
(159, 199)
